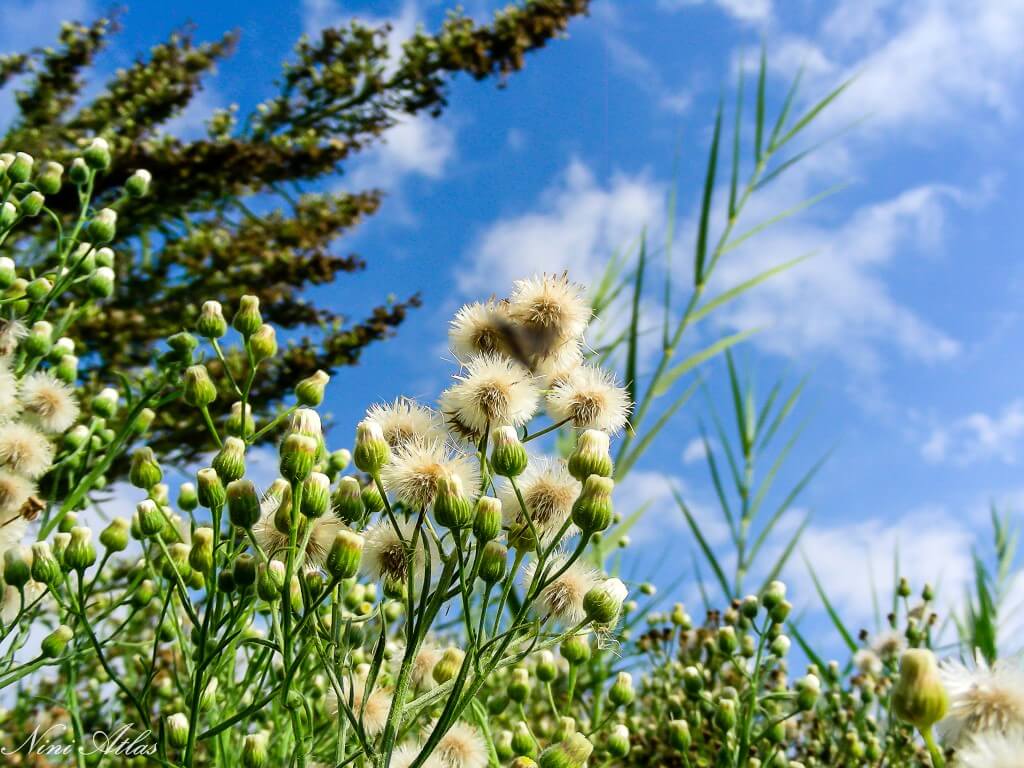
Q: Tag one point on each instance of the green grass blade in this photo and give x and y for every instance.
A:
(738, 398)
(716, 481)
(738, 290)
(735, 176)
(633, 343)
(787, 552)
(669, 377)
(627, 461)
(805, 646)
(832, 614)
(783, 413)
(706, 202)
(737, 241)
(709, 555)
(787, 105)
(812, 113)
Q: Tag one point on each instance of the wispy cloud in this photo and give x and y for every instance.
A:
(978, 437)
(743, 10)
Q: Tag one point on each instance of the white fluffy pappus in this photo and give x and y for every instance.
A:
(273, 535)
(9, 403)
(11, 332)
(590, 398)
(15, 490)
(982, 699)
(562, 599)
(479, 328)
(404, 756)
(461, 747)
(991, 750)
(551, 305)
(548, 491)
(12, 529)
(50, 402)
(384, 553)
(415, 468)
(492, 390)
(24, 450)
(405, 420)
(373, 711)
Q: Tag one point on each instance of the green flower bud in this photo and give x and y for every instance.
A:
(571, 753)
(348, 502)
(774, 594)
(727, 642)
(97, 154)
(199, 389)
(103, 226)
(104, 404)
(310, 391)
(178, 562)
(298, 456)
(79, 172)
(780, 646)
(448, 665)
(621, 693)
(254, 750)
(211, 493)
(145, 472)
(725, 714)
(53, 644)
(503, 744)
(345, 555)
(244, 570)
(316, 495)
(17, 566)
(338, 461)
(138, 183)
(38, 289)
(229, 463)
(575, 650)
(371, 449)
(187, 498)
(45, 568)
(919, 697)
(679, 735)
(780, 612)
(592, 455)
(48, 181)
(151, 518)
(546, 669)
(508, 457)
(243, 503)
(680, 617)
(21, 168)
(264, 342)
(39, 340)
(493, 562)
(523, 743)
(618, 741)
(603, 603)
(60, 546)
(451, 507)
(372, 500)
(519, 687)
(80, 552)
(592, 511)
(693, 682)
(8, 273)
(248, 320)
(105, 258)
(200, 558)
(808, 689)
(67, 369)
(270, 580)
(176, 728)
(32, 203)
(8, 215)
(115, 536)
(487, 519)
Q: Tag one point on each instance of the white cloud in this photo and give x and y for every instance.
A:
(743, 10)
(418, 145)
(576, 226)
(694, 451)
(978, 437)
(838, 301)
(320, 14)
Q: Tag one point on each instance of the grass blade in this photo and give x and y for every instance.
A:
(634, 322)
(787, 552)
(709, 555)
(705, 208)
(670, 376)
(734, 180)
(627, 461)
(813, 112)
(737, 241)
(736, 291)
(759, 115)
(832, 614)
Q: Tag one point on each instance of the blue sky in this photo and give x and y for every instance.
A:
(908, 319)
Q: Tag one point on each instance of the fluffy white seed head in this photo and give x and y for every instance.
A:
(590, 398)
(548, 490)
(405, 420)
(49, 402)
(24, 450)
(982, 698)
(562, 599)
(550, 305)
(491, 390)
(416, 467)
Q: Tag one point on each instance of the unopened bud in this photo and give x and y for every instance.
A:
(151, 518)
(603, 603)
(345, 555)
(97, 154)
(243, 503)
(592, 455)
(103, 226)
(176, 727)
(919, 697)
(348, 502)
(310, 391)
(248, 319)
(80, 552)
(371, 449)
(451, 507)
(211, 323)
(571, 753)
(200, 558)
(48, 180)
(621, 693)
(508, 457)
(138, 183)
(298, 456)
(229, 462)
(487, 519)
(20, 168)
(45, 567)
(592, 511)
(254, 750)
(575, 650)
(115, 536)
(199, 389)
(210, 492)
(270, 580)
(17, 566)
(53, 644)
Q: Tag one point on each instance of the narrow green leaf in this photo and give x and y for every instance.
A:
(627, 460)
(783, 413)
(716, 481)
(706, 202)
(737, 241)
(832, 614)
(735, 176)
(709, 555)
(736, 291)
(812, 113)
(787, 552)
(669, 377)
(738, 399)
(805, 646)
(634, 322)
(612, 537)
(787, 105)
